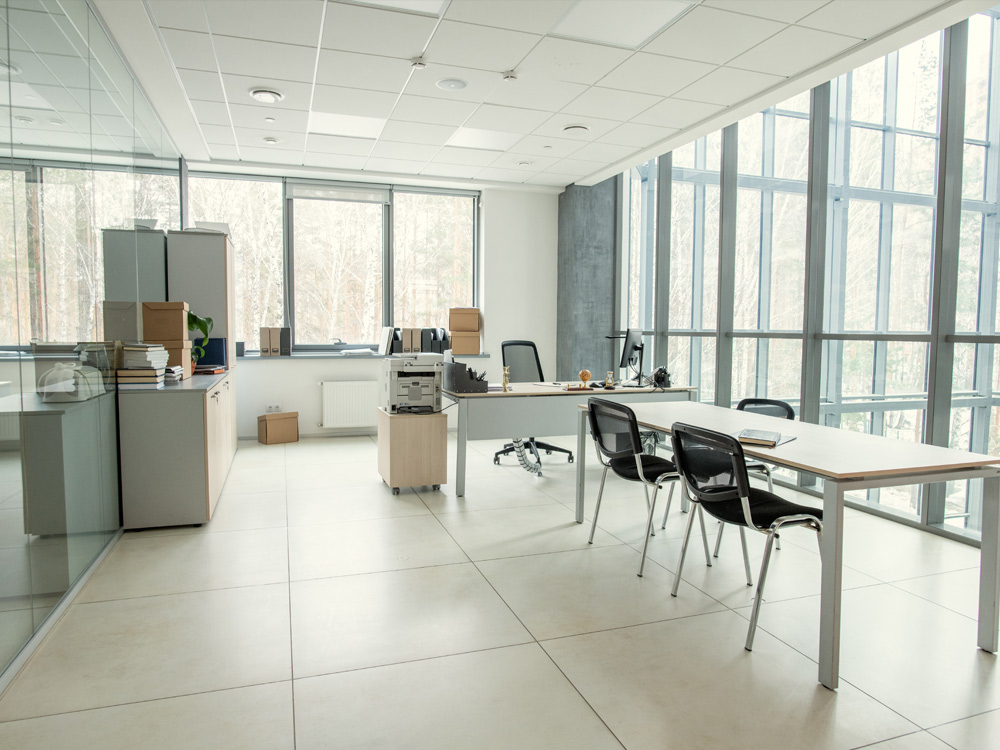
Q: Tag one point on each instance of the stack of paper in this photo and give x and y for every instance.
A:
(173, 374)
(144, 356)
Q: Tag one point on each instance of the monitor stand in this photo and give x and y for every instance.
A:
(631, 384)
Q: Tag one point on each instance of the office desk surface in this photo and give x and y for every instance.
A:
(546, 389)
(820, 450)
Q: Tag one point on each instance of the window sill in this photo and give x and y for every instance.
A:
(249, 356)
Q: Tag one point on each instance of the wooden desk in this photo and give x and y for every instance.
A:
(531, 409)
(847, 461)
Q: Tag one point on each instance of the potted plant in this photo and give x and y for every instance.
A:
(203, 326)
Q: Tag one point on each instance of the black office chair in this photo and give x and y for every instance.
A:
(619, 448)
(525, 367)
(714, 471)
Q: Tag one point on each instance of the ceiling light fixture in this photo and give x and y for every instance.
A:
(451, 84)
(269, 119)
(266, 96)
(509, 75)
(270, 140)
(25, 120)
(525, 163)
(9, 67)
(56, 121)
(417, 63)
(576, 129)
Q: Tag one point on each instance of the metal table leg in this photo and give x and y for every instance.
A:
(581, 462)
(989, 567)
(832, 554)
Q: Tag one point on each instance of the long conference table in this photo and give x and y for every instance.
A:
(536, 409)
(846, 461)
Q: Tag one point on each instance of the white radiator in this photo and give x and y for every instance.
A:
(349, 403)
(10, 427)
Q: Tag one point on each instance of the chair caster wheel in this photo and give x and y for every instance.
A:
(548, 453)
(569, 460)
(395, 490)
(496, 460)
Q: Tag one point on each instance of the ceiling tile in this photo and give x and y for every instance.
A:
(409, 151)
(624, 105)
(577, 167)
(431, 7)
(469, 156)
(350, 126)
(788, 11)
(677, 113)
(516, 161)
(519, 15)
(416, 132)
(199, 84)
(603, 152)
(394, 165)
(211, 113)
(226, 153)
(637, 135)
(862, 18)
(533, 92)
(335, 144)
(566, 60)
(433, 111)
(627, 23)
(296, 93)
(555, 124)
(334, 161)
(450, 170)
(286, 62)
(41, 32)
(271, 155)
(250, 116)
(218, 134)
(189, 49)
(254, 138)
(793, 50)
(71, 72)
(291, 21)
(480, 82)
(33, 70)
(179, 14)
(482, 47)
(545, 146)
(352, 101)
(362, 71)
(546, 178)
(727, 86)
(494, 174)
(353, 28)
(509, 119)
(655, 74)
(485, 139)
(712, 35)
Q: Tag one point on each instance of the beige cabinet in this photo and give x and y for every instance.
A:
(177, 445)
(412, 449)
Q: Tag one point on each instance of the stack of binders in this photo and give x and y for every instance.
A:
(143, 367)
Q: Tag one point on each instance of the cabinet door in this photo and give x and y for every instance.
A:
(214, 440)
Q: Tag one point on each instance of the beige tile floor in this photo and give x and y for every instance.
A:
(317, 610)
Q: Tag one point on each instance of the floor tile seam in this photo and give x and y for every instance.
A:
(144, 700)
(480, 510)
(179, 593)
(898, 736)
(195, 532)
(543, 641)
(930, 729)
(380, 572)
(931, 601)
(345, 521)
(291, 634)
(549, 552)
(931, 575)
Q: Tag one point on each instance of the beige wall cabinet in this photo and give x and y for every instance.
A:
(412, 449)
(177, 445)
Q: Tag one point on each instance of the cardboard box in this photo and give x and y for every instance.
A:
(464, 342)
(464, 319)
(282, 427)
(164, 321)
(121, 321)
(265, 342)
(179, 353)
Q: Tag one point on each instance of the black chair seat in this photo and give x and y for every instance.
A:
(765, 507)
(652, 467)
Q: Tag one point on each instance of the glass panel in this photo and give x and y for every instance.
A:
(710, 252)
(868, 93)
(747, 281)
(744, 368)
(861, 266)
(750, 149)
(791, 148)
(784, 369)
(866, 157)
(798, 103)
(909, 283)
(691, 361)
(974, 172)
(639, 273)
(338, 272)
(252, 209)
(906, 370)
(684, 156)
(788, 254)
(713, 151)
(917, 90)
(681, 253)
(977, 77)
(915, 163)
(434, 248)
(969, 255)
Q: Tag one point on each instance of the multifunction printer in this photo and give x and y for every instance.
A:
(411, 383)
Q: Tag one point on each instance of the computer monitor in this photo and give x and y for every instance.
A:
(632, 353)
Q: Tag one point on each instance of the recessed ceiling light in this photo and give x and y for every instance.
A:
(24, 120)
(451, 84)
(546, 148)
(9, 67)
(509, 75)
(576, 129)
(271, 140)
(56, 121)
(269, 119)
(417, 63)
(525, 163)
(266, 96)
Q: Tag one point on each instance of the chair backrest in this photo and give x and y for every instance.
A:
(767, 406)
(614, 428)
(522, 358)
(710, 462)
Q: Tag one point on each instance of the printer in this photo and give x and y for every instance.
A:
(411, 383)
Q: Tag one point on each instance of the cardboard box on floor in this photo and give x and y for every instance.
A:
(280, 427)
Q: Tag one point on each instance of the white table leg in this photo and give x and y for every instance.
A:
(581, 462)
(989, 567)
(463, 434)
(832, 553)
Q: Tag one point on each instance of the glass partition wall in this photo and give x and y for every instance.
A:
(862, 327)
(82, 152)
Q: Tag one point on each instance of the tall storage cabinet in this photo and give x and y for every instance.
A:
(200, 272)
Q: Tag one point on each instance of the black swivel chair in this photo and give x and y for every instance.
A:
(714, 472)
(525, 367)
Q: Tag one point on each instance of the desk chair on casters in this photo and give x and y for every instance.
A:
(714, 471)
(525, 367)
(619, 448)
